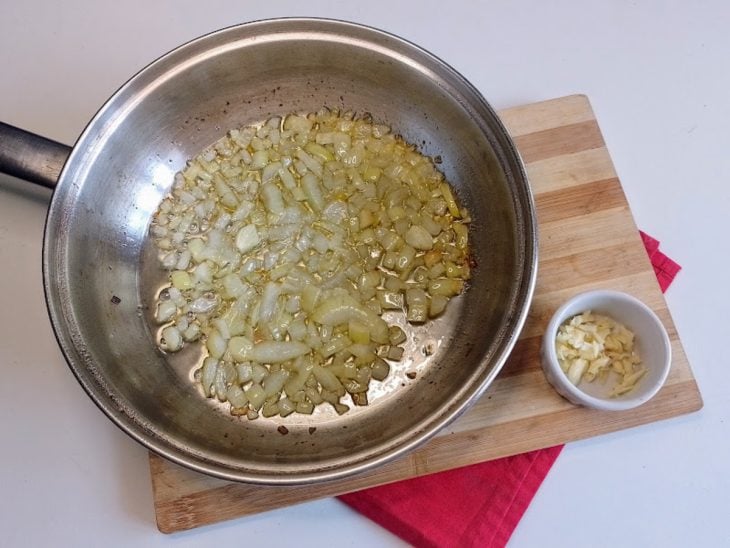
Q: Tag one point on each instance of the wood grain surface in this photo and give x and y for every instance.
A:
(588, 240)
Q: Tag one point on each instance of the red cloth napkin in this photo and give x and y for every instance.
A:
(477, 505)
(664, 267)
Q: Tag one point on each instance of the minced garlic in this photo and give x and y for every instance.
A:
(590, 346)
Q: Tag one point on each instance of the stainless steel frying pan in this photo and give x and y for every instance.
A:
(101, 275)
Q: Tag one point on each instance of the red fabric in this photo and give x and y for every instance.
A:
(477, 505)
(664, 267)
(650, 244)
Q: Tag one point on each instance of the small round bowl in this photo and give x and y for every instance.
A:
(651, 343)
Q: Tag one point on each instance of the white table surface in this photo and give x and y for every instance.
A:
(658, 75)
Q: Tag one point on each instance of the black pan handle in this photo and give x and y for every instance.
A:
(31, 157)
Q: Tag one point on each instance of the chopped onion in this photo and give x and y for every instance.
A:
(166, 310)
(210, 368)
(216, 344)
(277, 352)
(247, 238)
(419, 238)
(286, 242)
(171, 339)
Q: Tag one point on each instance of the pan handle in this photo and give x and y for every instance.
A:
(31, 157)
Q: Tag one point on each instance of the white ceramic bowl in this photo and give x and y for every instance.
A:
(651, 344)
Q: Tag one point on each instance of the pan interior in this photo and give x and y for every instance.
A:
(102, 273)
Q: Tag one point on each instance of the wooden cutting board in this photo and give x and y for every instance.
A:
(588, 240)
